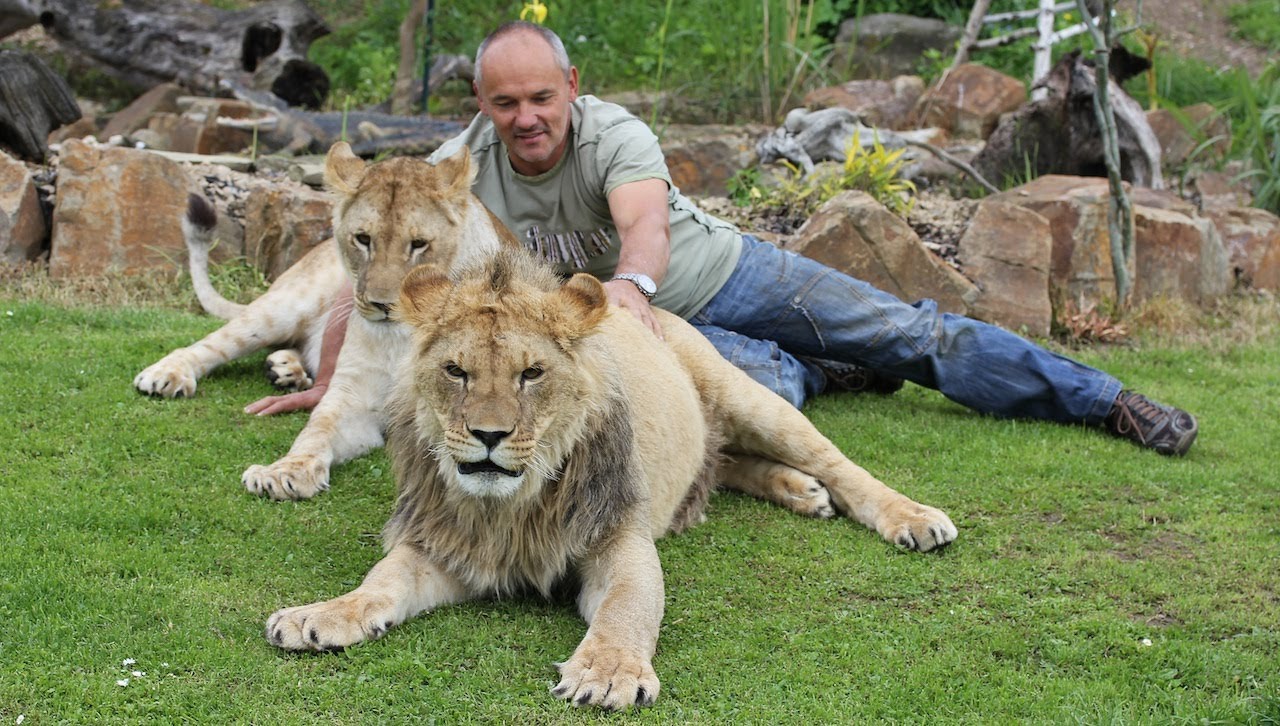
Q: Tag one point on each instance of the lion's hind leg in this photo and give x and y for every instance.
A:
(777, 483)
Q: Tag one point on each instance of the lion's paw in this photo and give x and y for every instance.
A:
(915, 526)
(610, 677)
(168, 379)
(806, 495)
(293, 477)
(285, 371)
(330, 625)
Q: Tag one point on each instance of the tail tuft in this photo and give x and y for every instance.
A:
(200, 212)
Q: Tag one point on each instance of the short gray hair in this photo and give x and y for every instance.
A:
(558, 52)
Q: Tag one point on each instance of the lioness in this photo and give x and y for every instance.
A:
(388, 218)
(538, 433)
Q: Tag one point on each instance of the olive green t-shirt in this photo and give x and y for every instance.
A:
(563, 214)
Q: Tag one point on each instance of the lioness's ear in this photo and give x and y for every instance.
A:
(584, 303)
(459, 170)
(343, 170)
(421, 295)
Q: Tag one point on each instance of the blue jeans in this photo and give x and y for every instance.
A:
(778, 305)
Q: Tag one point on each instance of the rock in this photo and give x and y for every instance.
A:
(282, 223)
(1252, 240)
(878, 103)
(1006, 251)
(195, 134)
(1178, 254)
(1180, 133)
(117, 211)
(160, 99)
(23, 231)
(855, 234)
(886, 45)
(702, 158)
(78, 129)
(1219, 190)
(970, 101)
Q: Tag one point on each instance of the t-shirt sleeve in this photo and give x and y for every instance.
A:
(628, 151)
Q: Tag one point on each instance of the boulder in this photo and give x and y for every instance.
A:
(193, 133)
(23, 231)
(1181, 132)
(160, 99)
(1219, 190)
(886, 45)
(1076, 209)
(855, 234)
(702, 158)
(1006, 251)
(1252, 240)
(1178, 253)
(879, 103)
(282, 223)
(969, 101)
(117, 211)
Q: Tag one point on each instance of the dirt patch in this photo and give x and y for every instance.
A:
(1200, 29)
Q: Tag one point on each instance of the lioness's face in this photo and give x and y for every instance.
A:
(496, 395)
(393, 216)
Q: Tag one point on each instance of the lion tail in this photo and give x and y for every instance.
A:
(198, 226)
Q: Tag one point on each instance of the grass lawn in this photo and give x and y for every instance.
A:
(1092, 582)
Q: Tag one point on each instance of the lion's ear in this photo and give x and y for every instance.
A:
(459, 170)
(343, 170)
(422, 295)
(585, 304)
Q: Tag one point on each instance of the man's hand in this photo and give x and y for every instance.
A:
(625, 294)
(300, 401)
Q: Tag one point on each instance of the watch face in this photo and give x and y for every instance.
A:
(644, 282)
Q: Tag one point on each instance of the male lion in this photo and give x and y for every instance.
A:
(389, 217)
(538, 433)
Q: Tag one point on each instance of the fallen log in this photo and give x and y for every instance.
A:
(33, 101)
(147, 42)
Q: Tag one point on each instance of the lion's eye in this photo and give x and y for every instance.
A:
(453, 370)
(532, 373)
(418, 244)
(363, 239)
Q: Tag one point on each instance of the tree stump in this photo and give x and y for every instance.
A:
(33, 101)
(146, 42)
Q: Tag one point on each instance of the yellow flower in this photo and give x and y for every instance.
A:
(534, 10)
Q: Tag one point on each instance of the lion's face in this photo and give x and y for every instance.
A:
(393, 216)
(497, 377)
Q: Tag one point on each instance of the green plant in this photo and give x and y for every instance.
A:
(1257, 20)
(1257, 133)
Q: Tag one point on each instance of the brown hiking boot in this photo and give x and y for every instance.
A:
(1168, 430)
(855, 379)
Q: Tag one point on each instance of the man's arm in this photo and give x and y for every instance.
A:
(335, 331)
(639, 211)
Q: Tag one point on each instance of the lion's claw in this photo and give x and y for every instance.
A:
(293, 477)
(609, 677)
(915, 526)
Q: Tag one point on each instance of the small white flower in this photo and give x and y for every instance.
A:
(1146, 642)
(164, 665)
(122, 682)
(21, 717)
(128, 662)
(9, 313)
(138, 674)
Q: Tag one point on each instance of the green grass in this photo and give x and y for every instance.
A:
(124, 533)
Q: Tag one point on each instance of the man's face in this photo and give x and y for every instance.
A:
(527, 96)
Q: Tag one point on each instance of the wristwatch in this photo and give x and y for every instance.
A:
(644, 283)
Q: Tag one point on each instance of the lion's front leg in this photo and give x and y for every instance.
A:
(621, 600)
(403, 584)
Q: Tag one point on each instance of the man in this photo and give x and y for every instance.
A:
(584, 184)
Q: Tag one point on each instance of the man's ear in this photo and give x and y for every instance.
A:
(475, 91)
(573, 83)
(343, 170)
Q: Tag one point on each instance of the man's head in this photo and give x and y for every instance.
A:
(524, 83)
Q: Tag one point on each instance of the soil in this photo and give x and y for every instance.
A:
(1200, 29)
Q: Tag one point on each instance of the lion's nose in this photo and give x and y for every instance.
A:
(489, 438)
